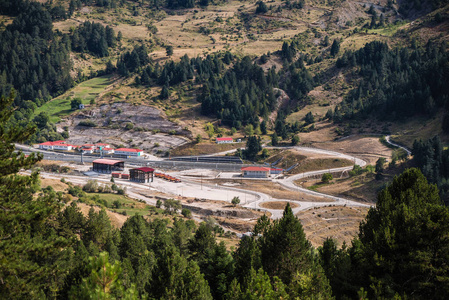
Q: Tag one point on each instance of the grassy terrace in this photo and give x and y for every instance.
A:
(87, 91)
(131, 206)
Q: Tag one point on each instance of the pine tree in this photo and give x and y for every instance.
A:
(30, 249)
(335, 48)
(404, 241)
(285, 249)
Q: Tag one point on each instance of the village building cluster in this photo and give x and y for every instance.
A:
(100, 148)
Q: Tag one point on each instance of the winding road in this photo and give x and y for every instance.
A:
(250, 199)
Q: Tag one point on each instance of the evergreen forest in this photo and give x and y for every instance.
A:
(212, 69)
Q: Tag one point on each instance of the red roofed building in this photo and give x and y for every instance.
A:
(256, 172)
(143, 174)
(88, 146)
(102, 145)
(56, 145)
(87, 150)
(105, 150)
(108, 165)
(128, 152)
(276, 171)
(224, 140)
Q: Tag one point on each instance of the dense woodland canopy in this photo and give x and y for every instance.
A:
(50, 249)
(397, 83)
(433, 160)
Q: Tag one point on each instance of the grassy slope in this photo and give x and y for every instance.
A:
(87, 91)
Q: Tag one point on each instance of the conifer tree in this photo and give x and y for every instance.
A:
(404, 241)
(29, 245)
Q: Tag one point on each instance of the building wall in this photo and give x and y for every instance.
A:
(225, 142)
(128, 153)
(255, 174)
(65, 148)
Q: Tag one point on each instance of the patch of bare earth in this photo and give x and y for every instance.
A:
(313, 164)
(277, 205)
(362, 188)
(338, 222)
(268, 187)
(205, 148)
(286, 158)
(364, 147)
(56, 184)
(111, 120)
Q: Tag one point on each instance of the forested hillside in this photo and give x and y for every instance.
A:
(273, 73)
(398, 83)
(56, 252)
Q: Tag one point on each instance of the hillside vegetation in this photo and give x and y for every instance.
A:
(179, 73)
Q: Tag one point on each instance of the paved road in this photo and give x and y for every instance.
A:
(387, 138)
(190, 188)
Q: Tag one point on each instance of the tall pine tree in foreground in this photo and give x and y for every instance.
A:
(287, 254)
(30, 249)
(405, 241)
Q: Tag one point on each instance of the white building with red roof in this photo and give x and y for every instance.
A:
(224, 140)
(128, 152)
(56, 145)
(102, 145)
(87, 150)
(105, 150)
(255, 172)
(85, 146)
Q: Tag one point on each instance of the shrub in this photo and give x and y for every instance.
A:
(327, 177)
(116, 204)
(87, 123)
(129, 126)
(91, 186)
(186, 213)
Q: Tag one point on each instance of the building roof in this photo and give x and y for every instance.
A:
(88, 145)
(128, 150)
(256, 169)
(276, 169)
(145, 169)
(107, 161)
(88, 149)
(225, 139)
(52, 143)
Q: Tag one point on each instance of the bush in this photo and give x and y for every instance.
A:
(87, 123)
(235, 201)
(327, 177)
(295, 140)
(356, 170)
(91, 186)
(158, 203)
(186, 213)
(116, 204)
(129, 126)
(172, 205)
(76, 191)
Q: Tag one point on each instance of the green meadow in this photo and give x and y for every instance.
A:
(87, 91)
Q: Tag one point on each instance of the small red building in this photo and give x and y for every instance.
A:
(108, 165)
(224, 140)
(143, 174)
(256, 172)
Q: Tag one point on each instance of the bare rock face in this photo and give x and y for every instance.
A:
(128, 125)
